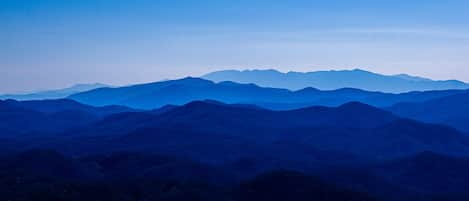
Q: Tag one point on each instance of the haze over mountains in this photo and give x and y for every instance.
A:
(321, 80)
(178, 92)
(196, 139)
(53, 94)
(335, 79)
(435, 106)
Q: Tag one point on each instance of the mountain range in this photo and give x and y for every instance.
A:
(355, 146)
(197, 139)
(53, 94)
(331, 80)
(22, 118)
(450, 110)
(182, 91)
(442, 106)
(46, 175)
(205, 126)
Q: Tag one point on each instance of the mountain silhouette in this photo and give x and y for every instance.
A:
(182, 91)
(448, 173)
(295, 186)
(53, 94)
(212, 131)
(335, 79)
(58, 105)
(18, 118)
(48, 175)
(449, 110)
(352, 148)
(236, 130)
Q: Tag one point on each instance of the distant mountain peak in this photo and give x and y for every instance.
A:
(358, 106)
(308, 89)
(205, 104)
(355, 104)
(81, 85)
(261, 70)
(360, 70)
(357, 109)
(335, 79)
(274, 71)
(193, 80)
(412, 78)
(190, 78)
(348, 89)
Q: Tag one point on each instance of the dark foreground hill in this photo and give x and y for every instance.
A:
(414, 177)
(208, 150)
(447, 174)
(183, 91)
(18, 118)
(44, 175)
(48, 175)
(212, 131)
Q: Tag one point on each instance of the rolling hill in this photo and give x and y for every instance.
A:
(212, 131)
(379, 154)
(449, 110)
(18, 118)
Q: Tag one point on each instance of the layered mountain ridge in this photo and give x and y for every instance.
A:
(335, 79)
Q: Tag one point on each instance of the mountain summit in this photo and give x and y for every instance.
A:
(330, 80)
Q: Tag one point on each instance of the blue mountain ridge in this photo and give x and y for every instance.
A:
(53, 94)
(182, 91)
(450, 110)
(356, 146)
(233, 131)
(335, 79)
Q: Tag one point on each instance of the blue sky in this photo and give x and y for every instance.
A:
(51, 44)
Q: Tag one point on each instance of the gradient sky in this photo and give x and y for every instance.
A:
(53, 44)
